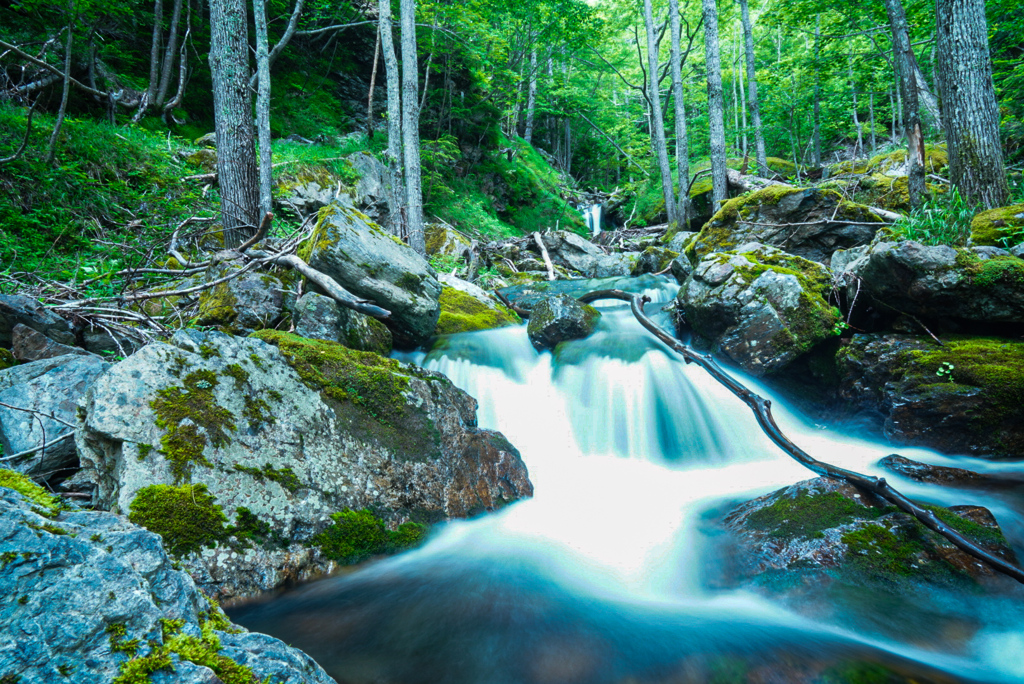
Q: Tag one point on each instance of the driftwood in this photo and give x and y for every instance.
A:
(544, 253)
(762, 409)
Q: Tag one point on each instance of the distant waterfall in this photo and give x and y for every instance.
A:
(592, 215)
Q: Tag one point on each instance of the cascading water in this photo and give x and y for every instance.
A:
(600, 577)
(592, 216)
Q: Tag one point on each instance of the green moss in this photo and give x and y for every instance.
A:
(461, 312)
(144, 451)
(374, 337)
(717, 234)
(357, 535)
(218, 306)
(875, 550)
(39, 497)
(249, 526)
(1000, 227)
(984, 536)
(7, 359)
(119, 642)
(187, 517)
(257, 361)
(257, 412)
(860, 673)
(285, 477)
(237, 373)
(659, 256)
(208, 351)
(184, 444)
(324, 234)
(806, 516)
(48, 527)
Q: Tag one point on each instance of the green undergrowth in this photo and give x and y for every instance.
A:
(187, 517)
(999, 227)
(940, 220)
(357, 535)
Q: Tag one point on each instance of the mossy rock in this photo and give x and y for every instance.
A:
(560, 318)
(462, 312)
(7, 359)
(444, 241)
(783, 167)
(654, 260)
(187, 517)
(205, 158)
(892, 192)
(999, 227)
(47, 503)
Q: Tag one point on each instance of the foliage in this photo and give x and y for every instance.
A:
(357, 535)
(940, 220)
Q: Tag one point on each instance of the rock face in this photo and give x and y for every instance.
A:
(368, 262)
(560, 318)
(941, 283)
(48, 387)
(761, 307)
(466, 307)
(963, 397)
(446, 241)
(252, 301)
(30, 345)
(321, 318)
(88, 596)
(810, 223)
(579, 254)
(15, 309)
(292, 434)
(942, 475)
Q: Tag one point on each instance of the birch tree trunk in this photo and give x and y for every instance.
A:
(755, 110)
(531, 97)
(263, 103)
(904, 59)
(971, 112)
(657, 120)
(232, 112)
(169, 54)
(743, 98)
(411, 128)
(395, 182)
(682, 137)
(856, 119)
(716, 115)
(816, 135)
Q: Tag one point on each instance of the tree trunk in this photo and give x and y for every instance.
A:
(232, 111)
(182, 65)
(871, 114)
(394, 152)
(716, 116)
(971, 112)
(657, 121)
(856, 119)
(263, 103)
(154, 51)
(908, 88)
(411, 128)
(755, 111)
(682, 137)
(51, 148)
(735, 95)
(816, 135)
(531, 98)
(169, 54)
(743, 98)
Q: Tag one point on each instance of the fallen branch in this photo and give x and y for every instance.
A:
(330, 286)
(545, 255)
(761, 408)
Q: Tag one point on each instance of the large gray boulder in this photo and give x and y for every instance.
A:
(30, 345)
(579, 254)
(321, 318)
(559, 318)
(15, 309)
(86, 597)
(370, 263)
(49, 391)
(759, 306)
(292, 433)
(939, 282)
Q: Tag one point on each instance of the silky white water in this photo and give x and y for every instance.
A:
(627, 448)
(592, 217)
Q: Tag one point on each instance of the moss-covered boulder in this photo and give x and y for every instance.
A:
(321, 318)
(842, 556)
(964, 397)
(892, 163)
(807, 222)
(559, 318)
(466, 307)
(446, 241)
(1000, 227)
(654, 260)
(252, 301)
(370, 263)
(759, 306)
(283, 432)
(889, 192)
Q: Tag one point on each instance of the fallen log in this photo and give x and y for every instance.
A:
(762, 409)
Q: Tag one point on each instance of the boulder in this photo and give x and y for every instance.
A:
(576, 253)
(761, 307)
(308, 198)
(368, 262)
(950, 477)
(466, 307)
(676, 241)
(963, 397)
(90, 597)
(528, 295)
(30, 345)
(444, 240)
(48, 387)
(807, 222)
(252, 301)
(654, 260)
(373, 193)
(939, 283)
(321, 318)
(292, 434)
(999, 227)
(559, 318)
(15, 309)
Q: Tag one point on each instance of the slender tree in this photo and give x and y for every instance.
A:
(411, 128)
(971, 114)
(51, 148)
(752, 102)
(716, 114)
(232, 112)
(658, 140)
(682, 137)
(816, 134)
(154, 54)
(531, 97)
(908, 88)
(169, 53)
(263, 103)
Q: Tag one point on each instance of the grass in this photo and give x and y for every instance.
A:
(940, 220)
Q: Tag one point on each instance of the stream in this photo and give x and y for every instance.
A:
(610, 573)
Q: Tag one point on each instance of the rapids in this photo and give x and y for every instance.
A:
(607, 574)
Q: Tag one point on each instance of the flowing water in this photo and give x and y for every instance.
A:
(592, 216)
(610, 574)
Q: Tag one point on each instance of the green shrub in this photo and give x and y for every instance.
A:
(940, 220)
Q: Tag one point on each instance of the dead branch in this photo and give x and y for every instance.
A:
(329, 285)
(28, 132)
(49, 67)
(545, 255)
(761, 408)
(29, 452)
(260, 233)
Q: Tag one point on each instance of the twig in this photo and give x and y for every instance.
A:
(29, 452)
(260, 233)
(28, 131)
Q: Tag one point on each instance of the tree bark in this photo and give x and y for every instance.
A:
(658, 141)
(154, 51)
(169, 54)
(236, 148)
(755, 111)
(263, 103)
(743, 97)
(394, 152)
(411, 128)
(51, 148)
(904, 58)
(816, 135)
(531, 97)
(971, 114)
(856, 120)
(682, 136)
(716, 115)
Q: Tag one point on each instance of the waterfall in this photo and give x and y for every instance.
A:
(599, 577)
(592, 217)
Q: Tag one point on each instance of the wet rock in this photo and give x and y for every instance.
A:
(952, 477)
(29, 345)
(466, 307)
(309, 198)
(759, 306)
(368, 262)
(681, 268)
(560, 318)
(15, 309)
(677, 241)
(527, 295)
(960, 398)
(86, 593)
(576, 253)
(292, 434)
(807, 222)
(321, 318)
(654, 260)
(249, 302)
(49, 390)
